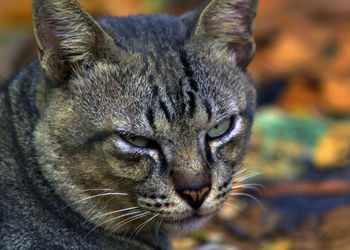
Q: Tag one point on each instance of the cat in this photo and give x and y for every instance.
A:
(125, 130)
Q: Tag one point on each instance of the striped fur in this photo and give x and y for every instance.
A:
(71, 175)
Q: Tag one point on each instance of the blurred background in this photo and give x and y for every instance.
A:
(300, 149)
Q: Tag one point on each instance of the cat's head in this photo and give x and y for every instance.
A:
(144, 120)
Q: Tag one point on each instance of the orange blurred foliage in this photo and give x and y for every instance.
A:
(18, 12)
(334, 148)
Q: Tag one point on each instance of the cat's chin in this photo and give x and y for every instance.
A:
(186, 225)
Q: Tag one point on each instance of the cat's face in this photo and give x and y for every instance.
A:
(150, 135)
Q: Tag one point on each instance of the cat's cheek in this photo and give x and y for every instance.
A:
(128, 166)
(232, 153)
(221, 184)
(134, 171)
(137, 169)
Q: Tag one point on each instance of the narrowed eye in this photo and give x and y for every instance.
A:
(220, 129)
(138, 141)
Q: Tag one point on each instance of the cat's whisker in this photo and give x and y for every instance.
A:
(249, 185)
(252, 186)
(245, 177)
(96, 189)
(139, 228)
(115, 218)
(249, 196)
(135, 217)
(239, 172)
(231, 205)
(91, 197)
(113, 212)
(121, 216)
(99, 189)
(158, 227)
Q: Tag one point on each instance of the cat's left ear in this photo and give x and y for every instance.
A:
(67, 38)
(227, 26)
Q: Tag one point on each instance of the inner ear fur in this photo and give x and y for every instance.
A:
(67, 37)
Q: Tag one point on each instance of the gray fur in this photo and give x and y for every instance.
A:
(66, 121)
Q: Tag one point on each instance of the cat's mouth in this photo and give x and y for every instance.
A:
(186, 224)
(193, 218)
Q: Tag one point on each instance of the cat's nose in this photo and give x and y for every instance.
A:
(194, 197)
(193, 186)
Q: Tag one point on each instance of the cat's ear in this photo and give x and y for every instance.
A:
(227, 25)
(67, 37)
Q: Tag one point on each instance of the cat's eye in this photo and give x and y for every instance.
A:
(220, 129)
(138, 141)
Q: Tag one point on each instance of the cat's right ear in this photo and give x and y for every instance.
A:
(68, 37)
(224, 27)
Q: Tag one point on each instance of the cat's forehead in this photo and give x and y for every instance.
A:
(161, 58)
(141, 97)
(148, 35)
(151, 44)
(162, 74)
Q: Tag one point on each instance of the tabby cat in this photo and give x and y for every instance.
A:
(126, 129)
